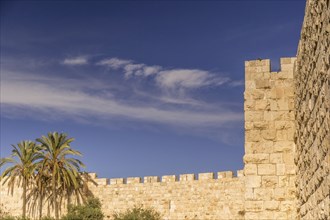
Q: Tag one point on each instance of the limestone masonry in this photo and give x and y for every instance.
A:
(312, 107)
(287, 141)
(269, 141)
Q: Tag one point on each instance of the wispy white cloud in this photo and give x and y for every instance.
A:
(42, 95)
(178, 79)
(80, 60)
(235, 83)
(130, 67)
(114, 63)
(188, 78)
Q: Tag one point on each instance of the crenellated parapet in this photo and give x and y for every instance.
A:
(201, 177)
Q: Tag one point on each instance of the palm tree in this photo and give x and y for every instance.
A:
(63, 168)
(40, 189)
(24, 160)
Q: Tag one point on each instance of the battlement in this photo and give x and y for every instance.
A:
(261, 70)
(167, 178)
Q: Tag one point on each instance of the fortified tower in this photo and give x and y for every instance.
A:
(269, 141)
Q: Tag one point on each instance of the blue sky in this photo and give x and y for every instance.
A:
(144, 87)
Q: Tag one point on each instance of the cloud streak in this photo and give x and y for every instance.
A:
(129, 67)
(188, 78)
(31, 93)
(73, 61)
(166, 78)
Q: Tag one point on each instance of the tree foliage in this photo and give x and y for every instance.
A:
(46, 170)
(91, 210)
(138, 213)
(22, 166)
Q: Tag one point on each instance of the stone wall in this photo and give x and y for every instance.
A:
(204, 196)
(312, 78)
(269, 141)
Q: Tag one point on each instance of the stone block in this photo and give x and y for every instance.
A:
(253, 181)
(283, 125)
(283, 146)
(280, 169)
(268, 134)
(268, 116)
(280, 215)
(250, 84)
(253, 135)
(272, 205)
(264, 194)
(264, 147)
(240, 173)
(280, 194)
(253, 116)
(226, 174)
(187, 177)
(276, 158)
(262, 84)
(288, 60)
(116, 181)
(102, 181)
(277, 93)
(266, 169)
(169, 178)
(286, 206)
(256, 158)
(290, 169)
(250, 169)
(269, 215)
(205, 176)
(132, 180)
(262, 105)
(254, 206)
(151, 179)
(249, 195)
(249, 105)
(269, 181)
(283, 181)
(288, 158)
(261, 125)
(251, 215)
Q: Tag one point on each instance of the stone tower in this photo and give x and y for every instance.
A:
(269, 141)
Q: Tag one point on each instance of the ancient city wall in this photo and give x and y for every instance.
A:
(269, 141)
(312, 78)
(203, 196)
(181, 197)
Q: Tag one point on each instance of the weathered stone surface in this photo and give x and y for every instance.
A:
(207, 198)
(269, 140)
(312, 109)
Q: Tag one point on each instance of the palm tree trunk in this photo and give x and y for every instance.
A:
(24, 198)
(55, 197)
(40, 205)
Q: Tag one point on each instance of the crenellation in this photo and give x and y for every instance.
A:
(116, 181)
(132, 180)
(151, 179)
(205, 176)
(240, 173)
(169, 178)
(101, 181)
(225, 174)
(187, 177)
(165, 179)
